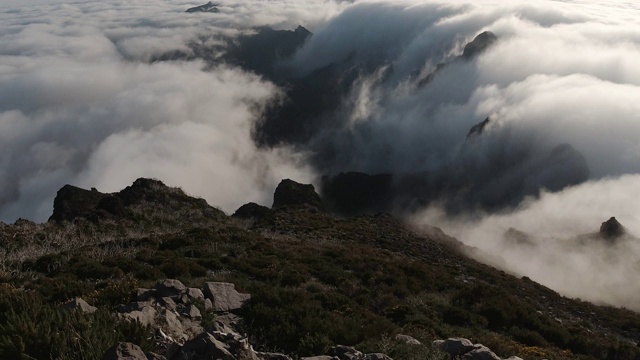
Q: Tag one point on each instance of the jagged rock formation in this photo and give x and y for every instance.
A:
(611, 229)
(143, 198)
(290, 193)
(169, 310)
(209, 7)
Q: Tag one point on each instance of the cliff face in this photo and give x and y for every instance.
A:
(316, 281)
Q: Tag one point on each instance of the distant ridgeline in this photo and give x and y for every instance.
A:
(314, 104)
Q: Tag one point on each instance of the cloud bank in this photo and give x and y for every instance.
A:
(82, 102)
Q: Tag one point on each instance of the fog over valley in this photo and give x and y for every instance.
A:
(511, 125)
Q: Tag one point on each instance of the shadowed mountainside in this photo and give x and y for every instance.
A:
(316, 280)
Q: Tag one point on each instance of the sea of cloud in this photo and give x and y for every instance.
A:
(81, 103)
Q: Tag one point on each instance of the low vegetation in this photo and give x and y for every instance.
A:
(316, 281)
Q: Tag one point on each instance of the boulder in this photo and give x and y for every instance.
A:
(345, 353)
(124, 351)
(377, 356)
(454, 346)
(217, 345)
(80, 304)
(290, 192)
(169, 288)
(480, 352)
(143, 294)
(407, 339)
(168, 303)
(224, 296)
(192, 312)
(195, 294)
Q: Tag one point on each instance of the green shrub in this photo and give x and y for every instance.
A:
(182, 267)
(44, 331)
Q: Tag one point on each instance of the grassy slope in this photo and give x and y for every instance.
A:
(316, 281)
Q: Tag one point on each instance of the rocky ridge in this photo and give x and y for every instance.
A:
(316, 281)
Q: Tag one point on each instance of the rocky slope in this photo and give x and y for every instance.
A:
(316, 281)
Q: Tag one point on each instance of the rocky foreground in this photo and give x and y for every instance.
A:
(169, 310)
(320, 286)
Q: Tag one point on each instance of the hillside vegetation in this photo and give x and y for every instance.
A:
(316, 280)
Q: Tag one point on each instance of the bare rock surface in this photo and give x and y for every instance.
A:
(80, 304)
(224, 296)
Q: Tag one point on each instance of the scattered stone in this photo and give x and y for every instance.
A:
(144, 294)
(195, 294)
(217, 345)
(80, 304)
(454, 346)
(480, 352)
(134, 306)
(124, 351)
(377, 356)
(168, 303)
(407, 339)
(224, 296)
(345, 353)
(169, 288)
(192, 312)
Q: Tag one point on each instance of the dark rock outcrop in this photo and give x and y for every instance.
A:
(478, 128)
(142, 198)
(290, 193)
(209, 7)
(611, 229)
(251, 211)
(72, 202)
(479, 44)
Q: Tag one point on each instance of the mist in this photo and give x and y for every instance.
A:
(84, 101)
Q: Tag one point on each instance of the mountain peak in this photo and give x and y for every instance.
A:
(611, 229)
(290, 192)
(479, 44)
